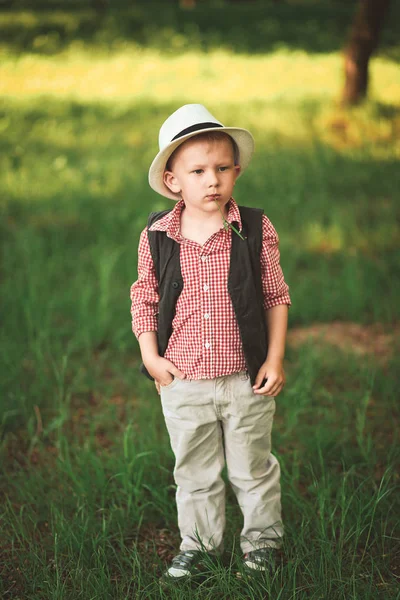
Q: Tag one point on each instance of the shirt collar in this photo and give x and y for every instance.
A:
(171, 221)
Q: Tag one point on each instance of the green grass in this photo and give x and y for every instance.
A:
(88, 505)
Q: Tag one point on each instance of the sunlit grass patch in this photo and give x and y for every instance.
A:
(336, 237)
(217, 77)
(376, 125)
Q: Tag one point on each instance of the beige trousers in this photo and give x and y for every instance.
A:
(210, 421)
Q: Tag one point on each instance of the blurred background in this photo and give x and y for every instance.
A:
(87, 468)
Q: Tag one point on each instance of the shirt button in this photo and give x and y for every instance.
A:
(206, 316)
(207, 345)
(204, 258)
(205, 287)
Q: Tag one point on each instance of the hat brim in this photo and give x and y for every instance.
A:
(242, 137)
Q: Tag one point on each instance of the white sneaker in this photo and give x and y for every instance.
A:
(259, 560)
(184, 565)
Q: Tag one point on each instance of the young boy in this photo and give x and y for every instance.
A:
(210, 310)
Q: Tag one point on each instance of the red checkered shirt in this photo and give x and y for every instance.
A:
(205, 341)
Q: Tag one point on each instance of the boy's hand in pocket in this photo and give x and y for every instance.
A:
(163, 371)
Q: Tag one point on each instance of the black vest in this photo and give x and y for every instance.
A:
(244, 286)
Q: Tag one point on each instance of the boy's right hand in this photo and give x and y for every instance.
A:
(163, 371)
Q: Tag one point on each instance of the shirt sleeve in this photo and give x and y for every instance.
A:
(275, 289)
(144, 292)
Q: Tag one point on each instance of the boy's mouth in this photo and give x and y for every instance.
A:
(214, 196)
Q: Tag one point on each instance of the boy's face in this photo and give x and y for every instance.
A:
(204, 173)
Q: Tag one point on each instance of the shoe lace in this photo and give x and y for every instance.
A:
(184, 559)
(260, 554)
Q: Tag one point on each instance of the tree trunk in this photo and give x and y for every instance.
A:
(363, 40)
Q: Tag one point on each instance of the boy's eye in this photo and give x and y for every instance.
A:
(198, 171)
(223, 168)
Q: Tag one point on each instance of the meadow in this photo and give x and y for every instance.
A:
(88, 507)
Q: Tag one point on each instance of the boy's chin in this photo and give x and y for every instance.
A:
(213, 206)
(208, 204)
(217, 202)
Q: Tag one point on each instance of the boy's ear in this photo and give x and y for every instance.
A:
(237, 168)
(171, 182)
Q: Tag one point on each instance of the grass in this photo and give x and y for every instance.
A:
(88, 493)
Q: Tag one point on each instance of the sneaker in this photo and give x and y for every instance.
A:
(259, 561)
(184, 567)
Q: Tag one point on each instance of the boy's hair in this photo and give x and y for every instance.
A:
(209, 136)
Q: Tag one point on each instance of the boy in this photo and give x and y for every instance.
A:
(210, 310)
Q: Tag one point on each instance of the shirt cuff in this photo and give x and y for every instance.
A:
(144, 324)
(277, 301)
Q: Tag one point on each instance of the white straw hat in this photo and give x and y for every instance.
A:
(184, 123)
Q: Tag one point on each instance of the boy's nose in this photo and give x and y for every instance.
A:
(213, 179)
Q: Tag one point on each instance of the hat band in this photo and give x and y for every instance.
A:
(197, 127)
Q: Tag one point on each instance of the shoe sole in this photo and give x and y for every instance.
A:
(249, 572)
